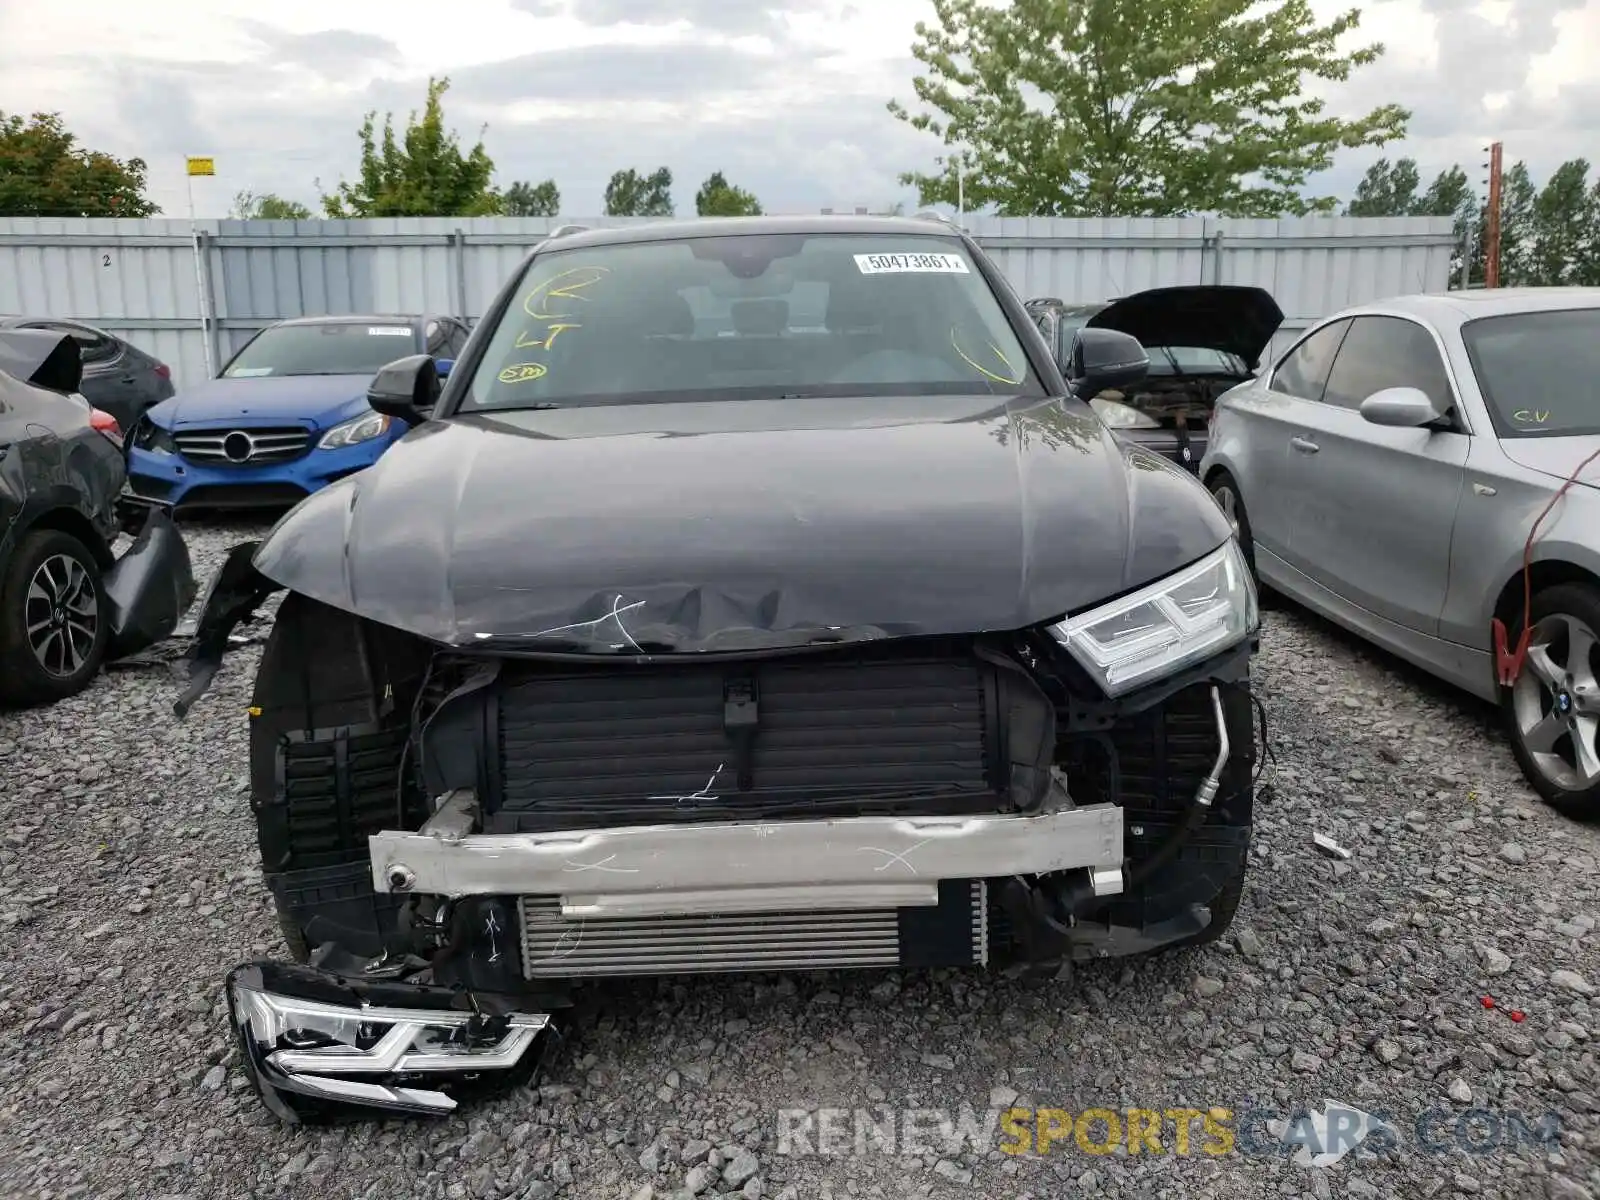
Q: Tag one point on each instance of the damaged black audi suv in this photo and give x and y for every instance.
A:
(753, 596)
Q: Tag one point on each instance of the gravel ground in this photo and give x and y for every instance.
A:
(129, 884)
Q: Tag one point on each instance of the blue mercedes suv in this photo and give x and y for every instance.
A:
(287, 415)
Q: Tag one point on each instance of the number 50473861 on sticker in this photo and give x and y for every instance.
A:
(881, 264)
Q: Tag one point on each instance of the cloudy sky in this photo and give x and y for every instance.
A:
(785, 96)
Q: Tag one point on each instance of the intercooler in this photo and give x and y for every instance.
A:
(953, 933)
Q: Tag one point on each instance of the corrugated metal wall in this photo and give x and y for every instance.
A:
(139, 280)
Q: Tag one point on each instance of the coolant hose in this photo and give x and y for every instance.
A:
(1075, 896)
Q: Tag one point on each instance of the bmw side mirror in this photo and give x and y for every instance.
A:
(407, 389)
(1104, 360)
(1401, 408)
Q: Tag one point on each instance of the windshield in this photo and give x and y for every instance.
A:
(1537, 371)
(757, 316)
(337, 348)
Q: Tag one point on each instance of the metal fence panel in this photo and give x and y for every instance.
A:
(138, 279)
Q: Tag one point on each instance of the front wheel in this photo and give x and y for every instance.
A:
(1225, 491)
(1553, 709)
(53, 619)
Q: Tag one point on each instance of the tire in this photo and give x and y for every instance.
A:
(293, 936)
(1553, 710)
(1224, 490)
(52, 578)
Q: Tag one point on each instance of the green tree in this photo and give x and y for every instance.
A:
(630, 194)
(1449, 195)
(1565, 226)
(525, 199)
(1387, 191)
(248, 206)
(423, 175)
(1164, 108)
(718, 198)
(1517, 232)
(45, 173)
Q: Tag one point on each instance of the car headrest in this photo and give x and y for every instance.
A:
(672, 317)
(761, 316)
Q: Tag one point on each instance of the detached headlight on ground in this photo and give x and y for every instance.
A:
(350, 433)
(1176, 621)
(1122, 416)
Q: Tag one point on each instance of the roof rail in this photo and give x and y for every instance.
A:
(564, 230)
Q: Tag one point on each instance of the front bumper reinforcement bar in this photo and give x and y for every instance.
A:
(846, 863)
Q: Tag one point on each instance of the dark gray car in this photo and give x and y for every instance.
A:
(66, 602)
(118, 377)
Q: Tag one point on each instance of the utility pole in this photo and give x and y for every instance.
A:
(1491, 241)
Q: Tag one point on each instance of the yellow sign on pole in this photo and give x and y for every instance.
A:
(202, 166)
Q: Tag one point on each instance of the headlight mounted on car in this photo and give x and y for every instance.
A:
(352, 432)
(147, 435)
(1122, 416)
(1167, 625)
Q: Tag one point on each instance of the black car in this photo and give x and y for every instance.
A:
(1202, 341)
(753, 596)
(66, 602)
(118, 377)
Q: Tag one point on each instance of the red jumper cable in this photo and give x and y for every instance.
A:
(1508, 662)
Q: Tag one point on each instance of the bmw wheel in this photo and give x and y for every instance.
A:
(1553, 709)
(53, 627)
(1226, 493)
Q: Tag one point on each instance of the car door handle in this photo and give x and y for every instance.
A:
(1303, 444)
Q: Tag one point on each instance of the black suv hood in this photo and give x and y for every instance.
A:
(742, 526)
(1233, 319)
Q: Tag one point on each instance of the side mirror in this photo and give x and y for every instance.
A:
(407, 388)
(1103, 360)
(1401, 408)
(441, 367)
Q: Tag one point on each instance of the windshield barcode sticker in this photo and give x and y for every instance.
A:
(882, 264)
(388, 331)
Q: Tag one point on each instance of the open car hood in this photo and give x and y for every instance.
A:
(1233, 319)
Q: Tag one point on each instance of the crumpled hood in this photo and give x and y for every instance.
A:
(743, 525)
(320, 401)
(1227, 317)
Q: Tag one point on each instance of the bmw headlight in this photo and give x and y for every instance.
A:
(359, 429)
(1122, 416)
(1166, 626)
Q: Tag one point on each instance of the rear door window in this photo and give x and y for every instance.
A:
(1303, 372)
(94, 346)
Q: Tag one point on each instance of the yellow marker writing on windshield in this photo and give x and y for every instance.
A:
(529, 340)
(522, 373)
(984, 371)
(1531, 416)
(578, 278)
